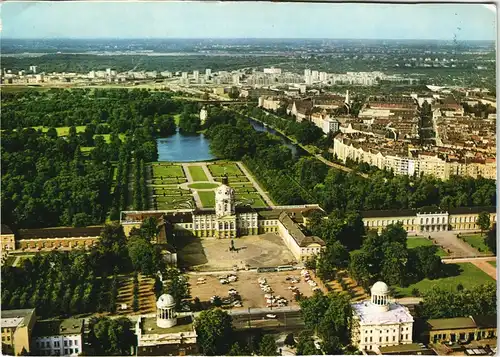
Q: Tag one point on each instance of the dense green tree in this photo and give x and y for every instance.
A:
(142, 255)
(166, 125)
(442, 303)
(237, 350)
(177, 285)
(483, 221)
(111, 337)
(329, 316)
(267, 346)
(305, 344)
(491, 239)
(215, 332)
(289, 340)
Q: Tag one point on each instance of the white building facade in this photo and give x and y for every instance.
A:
(58, 338)
(380, 322)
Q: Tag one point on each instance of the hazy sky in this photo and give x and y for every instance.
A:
(242, 19)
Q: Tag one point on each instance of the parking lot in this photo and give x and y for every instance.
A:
(248, 287)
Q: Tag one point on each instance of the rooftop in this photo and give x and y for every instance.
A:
(4, 229)
(296, 233)
(370, 315)
(149, 326)
(14, 318)
(453, 323)
(60, 232)
(408, 348)
(58, 327)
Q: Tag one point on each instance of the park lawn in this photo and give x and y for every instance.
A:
(207, 198)
(477, 241)
(220, 169)
(258, 201)
(469, 277)
(203, 185)
(493, 262)
(197, 173)
(423, 242)
(107, 137)
(170, 171)
(62, 130)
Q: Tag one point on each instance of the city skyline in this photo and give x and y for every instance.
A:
(158, 20)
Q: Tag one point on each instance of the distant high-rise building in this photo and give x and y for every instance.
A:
(307, 73)
(208, 72)
(184, 75)
(236, 79)
(315, 75)
(272, 70)
(196, 75)
(33, 69)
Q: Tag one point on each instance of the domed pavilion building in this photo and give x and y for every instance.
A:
(380, 322)
(166, 334)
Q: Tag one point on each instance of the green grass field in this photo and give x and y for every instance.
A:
(171, 171)
(469, 276)
(207, 198)
(203, 185)
(221, 169)
(477, 241)
(423, 242)
(493, 262)
(107, 137)
(258, 201)
(197, 173)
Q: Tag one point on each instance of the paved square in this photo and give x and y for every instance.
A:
(211, 254)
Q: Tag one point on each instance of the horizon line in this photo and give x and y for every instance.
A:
(244, 38)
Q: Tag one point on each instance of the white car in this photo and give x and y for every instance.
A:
(271, 316)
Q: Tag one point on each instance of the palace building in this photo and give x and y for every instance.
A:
(455, 219)
(230, 219)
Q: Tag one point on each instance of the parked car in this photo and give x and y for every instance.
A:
(271, 316)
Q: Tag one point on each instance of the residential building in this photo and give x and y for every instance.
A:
(58, 337)
(380, 322)
(397, 156)
(301, 109)
(17, 327)
(208, 72)
(270, 103)
(462, 329)
(272, 70)
(196, 75)
(167, 334)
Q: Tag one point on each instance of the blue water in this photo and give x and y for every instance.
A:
(184, 148)
(189, 148)
(260, 127)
